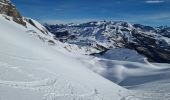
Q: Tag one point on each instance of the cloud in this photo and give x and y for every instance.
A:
(59, 9)
(154, 1)
(66, 21)
(161, 16)
(148, 17)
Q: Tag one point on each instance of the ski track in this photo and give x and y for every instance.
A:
(50, 88)
(16, 69)
(56, 86)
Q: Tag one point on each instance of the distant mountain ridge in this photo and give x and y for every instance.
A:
(35, 65)
(31, 69)
(97, 37)
(154, 43)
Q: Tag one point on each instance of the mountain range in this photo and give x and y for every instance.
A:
(153, 43)
(90, 61)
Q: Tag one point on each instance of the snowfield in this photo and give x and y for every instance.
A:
(32, 70)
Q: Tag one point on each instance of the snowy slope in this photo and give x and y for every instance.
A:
(33, 70)
(30, 69)
(122, 54)
(36, 66)
(126, 73)
(144, 81)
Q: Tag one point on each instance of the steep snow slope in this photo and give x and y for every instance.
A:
(29, 69)
(35, 66)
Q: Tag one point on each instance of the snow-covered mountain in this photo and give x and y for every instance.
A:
(36, 66)
(32, 70)
(153, 43)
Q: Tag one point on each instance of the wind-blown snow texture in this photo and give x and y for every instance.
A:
(35, 66)
(38, 72)
(33, 70)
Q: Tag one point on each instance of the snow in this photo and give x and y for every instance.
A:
(30, 69)
(90, 36)
(122, 54)
(126, 73)
(33, 70)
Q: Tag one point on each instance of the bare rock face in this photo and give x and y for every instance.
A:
(7, 8)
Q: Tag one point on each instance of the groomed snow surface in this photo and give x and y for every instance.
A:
(32, 70)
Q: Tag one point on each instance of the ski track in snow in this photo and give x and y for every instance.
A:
(50, 90)
(50, 86)
(56, 86)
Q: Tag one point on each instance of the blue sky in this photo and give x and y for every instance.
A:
(148, 12)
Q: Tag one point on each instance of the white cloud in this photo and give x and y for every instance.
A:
(155, 1)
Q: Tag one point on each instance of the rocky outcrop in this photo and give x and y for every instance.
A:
(7, 8)
(41, 29)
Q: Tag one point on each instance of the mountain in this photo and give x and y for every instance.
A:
(153, 43)
(7, 8)
(34, 65)
(30, 69)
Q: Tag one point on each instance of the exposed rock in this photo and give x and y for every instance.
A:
(42, 29)
(7, 8)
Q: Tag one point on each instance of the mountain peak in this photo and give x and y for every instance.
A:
(7, 8)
